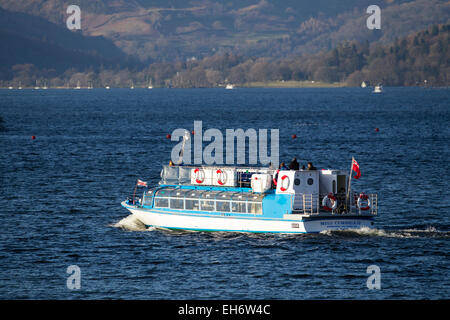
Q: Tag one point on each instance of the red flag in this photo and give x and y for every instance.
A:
(141, 183)
(355, 167)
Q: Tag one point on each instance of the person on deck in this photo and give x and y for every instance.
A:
(311, 167)
(294, 165)
(283, 166)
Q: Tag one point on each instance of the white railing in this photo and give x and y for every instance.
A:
(311, 204)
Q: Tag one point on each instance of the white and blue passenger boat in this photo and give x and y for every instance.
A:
(258, 199)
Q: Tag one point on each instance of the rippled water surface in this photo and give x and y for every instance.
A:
(60, 194)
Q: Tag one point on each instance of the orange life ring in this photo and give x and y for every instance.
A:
(275, 176)
(363, 196)
(198, 174)
(224, 174)
(282, 188)
(333, 201)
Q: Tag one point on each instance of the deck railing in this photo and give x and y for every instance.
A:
(311, 204)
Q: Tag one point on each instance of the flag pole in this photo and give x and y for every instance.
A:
(347, 200)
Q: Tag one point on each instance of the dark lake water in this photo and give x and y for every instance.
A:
(60, 194)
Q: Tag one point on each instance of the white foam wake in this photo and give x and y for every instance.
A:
(132, 223)
(405, 233)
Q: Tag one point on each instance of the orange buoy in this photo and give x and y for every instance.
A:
(168, 136)
(294, 136)
(33, 137)
(193, 132)
(377, 130)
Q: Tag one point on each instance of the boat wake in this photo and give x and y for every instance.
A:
(430, 232)
(131, 223)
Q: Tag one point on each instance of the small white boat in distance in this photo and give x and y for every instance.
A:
(36, 87)
(150, 86)
(229, 86)
(78, 85)
(378, 89)
(363, 84)
(107, 87)
(45, 86)
(10, 88)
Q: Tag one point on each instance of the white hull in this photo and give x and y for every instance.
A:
(377, 89)
(186, 221)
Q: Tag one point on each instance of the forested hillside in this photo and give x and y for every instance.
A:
(166, 31)
(407, 61)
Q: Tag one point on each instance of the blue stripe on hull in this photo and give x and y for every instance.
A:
(219, 230)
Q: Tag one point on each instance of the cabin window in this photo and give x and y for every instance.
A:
(223, 206)
(297, 182)
(176, 203)
(255, 208)
(161, 202)
(207, 205)
(177, 199)
(239, 203)
(310, 181)
(207, 201)
(192, 204)
(147, 200)
(254, 203)
(191, 200)
(239, 207)
(162, 198)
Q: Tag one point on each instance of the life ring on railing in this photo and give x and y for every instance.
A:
(363, 196)
(275, 177)
(283, 178)
(224, 175)
(199, 175)
(333, 201)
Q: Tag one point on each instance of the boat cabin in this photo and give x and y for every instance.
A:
(203, 200)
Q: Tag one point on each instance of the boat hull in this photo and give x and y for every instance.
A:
(222, 223)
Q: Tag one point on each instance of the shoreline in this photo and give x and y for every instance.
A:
(250, 85)
(294, 84)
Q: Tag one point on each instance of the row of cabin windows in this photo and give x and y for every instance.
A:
(207, 205)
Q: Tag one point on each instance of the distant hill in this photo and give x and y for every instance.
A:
(169, 30)
(28, 39)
